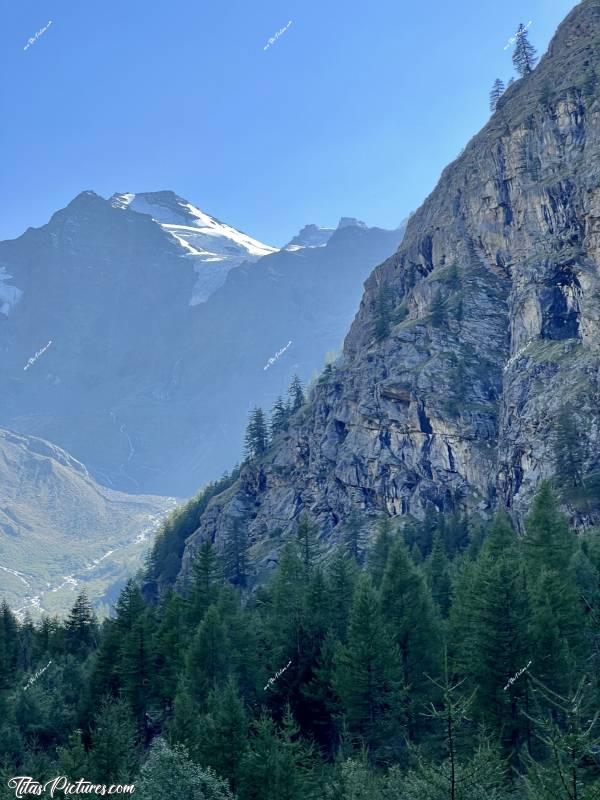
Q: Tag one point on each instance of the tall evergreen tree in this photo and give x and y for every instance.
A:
(367, 677)
(524, 56)
(438, 575)
(208, 657)
(257, 435)
(380, 551)
(407, 607)
(296, 394)
(353, 536)
(81, 625)
(235, 552)
(170, 774)
(277, 765)
(113, 756)
(206, 578)
(496, 93)
(307, 541)
(279, 417)
(225, 733)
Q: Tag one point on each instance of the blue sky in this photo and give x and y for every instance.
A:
(354, 110)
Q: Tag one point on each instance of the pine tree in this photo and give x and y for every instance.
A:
(499, 646)
(9, 646)
(353, 537)
(170, 774)
(235, 551)
(81, 626)
(407, 607)
(277, 765)
(367, 677)
(279, 417)
(524, 56)
(496, 93)
(307, 541)
(225, 733)
(296, 394)
(208, 658)
(378, 556)
(113, 753)
(206, 578)
(257, 437)
(438, 575)
(568, 450)
(341, 581)
(568, 734)
(548, 541)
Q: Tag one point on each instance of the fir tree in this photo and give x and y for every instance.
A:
(277, 765)
(208, 657)
(225, 733)
(548, 541)
(496, 93)
(367, 677)
(279, 417)
(353, 537)
(296, 394)
(81, 625)
(170, 774)
(206, 578)
(438, 576)
(524, 56)
(568, 733)
(407, 607)
(307, 541)
(257, 438)
(235, 553)
(378, 556)
(113, 753)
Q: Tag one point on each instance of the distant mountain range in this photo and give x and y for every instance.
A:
(60, 530)
(137, 332)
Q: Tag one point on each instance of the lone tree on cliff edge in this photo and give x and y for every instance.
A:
(496, 94)
(524, 57)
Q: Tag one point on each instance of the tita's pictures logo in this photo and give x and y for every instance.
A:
(25, 785)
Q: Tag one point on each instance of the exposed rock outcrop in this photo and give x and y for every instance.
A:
(471, 338)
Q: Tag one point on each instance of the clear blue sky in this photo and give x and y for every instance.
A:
(354, 110)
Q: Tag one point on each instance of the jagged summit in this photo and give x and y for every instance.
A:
(214, 246)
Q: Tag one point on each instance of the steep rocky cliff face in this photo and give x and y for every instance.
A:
(471, 338)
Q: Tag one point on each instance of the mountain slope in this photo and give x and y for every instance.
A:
(60, 531)
(212, 246)
(150, 392)
(471, 339)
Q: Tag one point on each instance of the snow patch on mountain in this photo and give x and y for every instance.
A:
(214, 246)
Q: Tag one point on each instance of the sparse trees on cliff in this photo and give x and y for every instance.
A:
(524, 56)
(496, 93)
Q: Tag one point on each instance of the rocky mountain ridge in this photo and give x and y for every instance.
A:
(470, 340)
(149, 390)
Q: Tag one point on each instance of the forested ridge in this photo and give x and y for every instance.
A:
(447, 658)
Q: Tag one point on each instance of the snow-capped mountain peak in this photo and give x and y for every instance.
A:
(215, 246)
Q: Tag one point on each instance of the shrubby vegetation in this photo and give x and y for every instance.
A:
(401, 684)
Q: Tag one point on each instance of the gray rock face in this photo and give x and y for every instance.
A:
(471, 338)
(149, 391)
